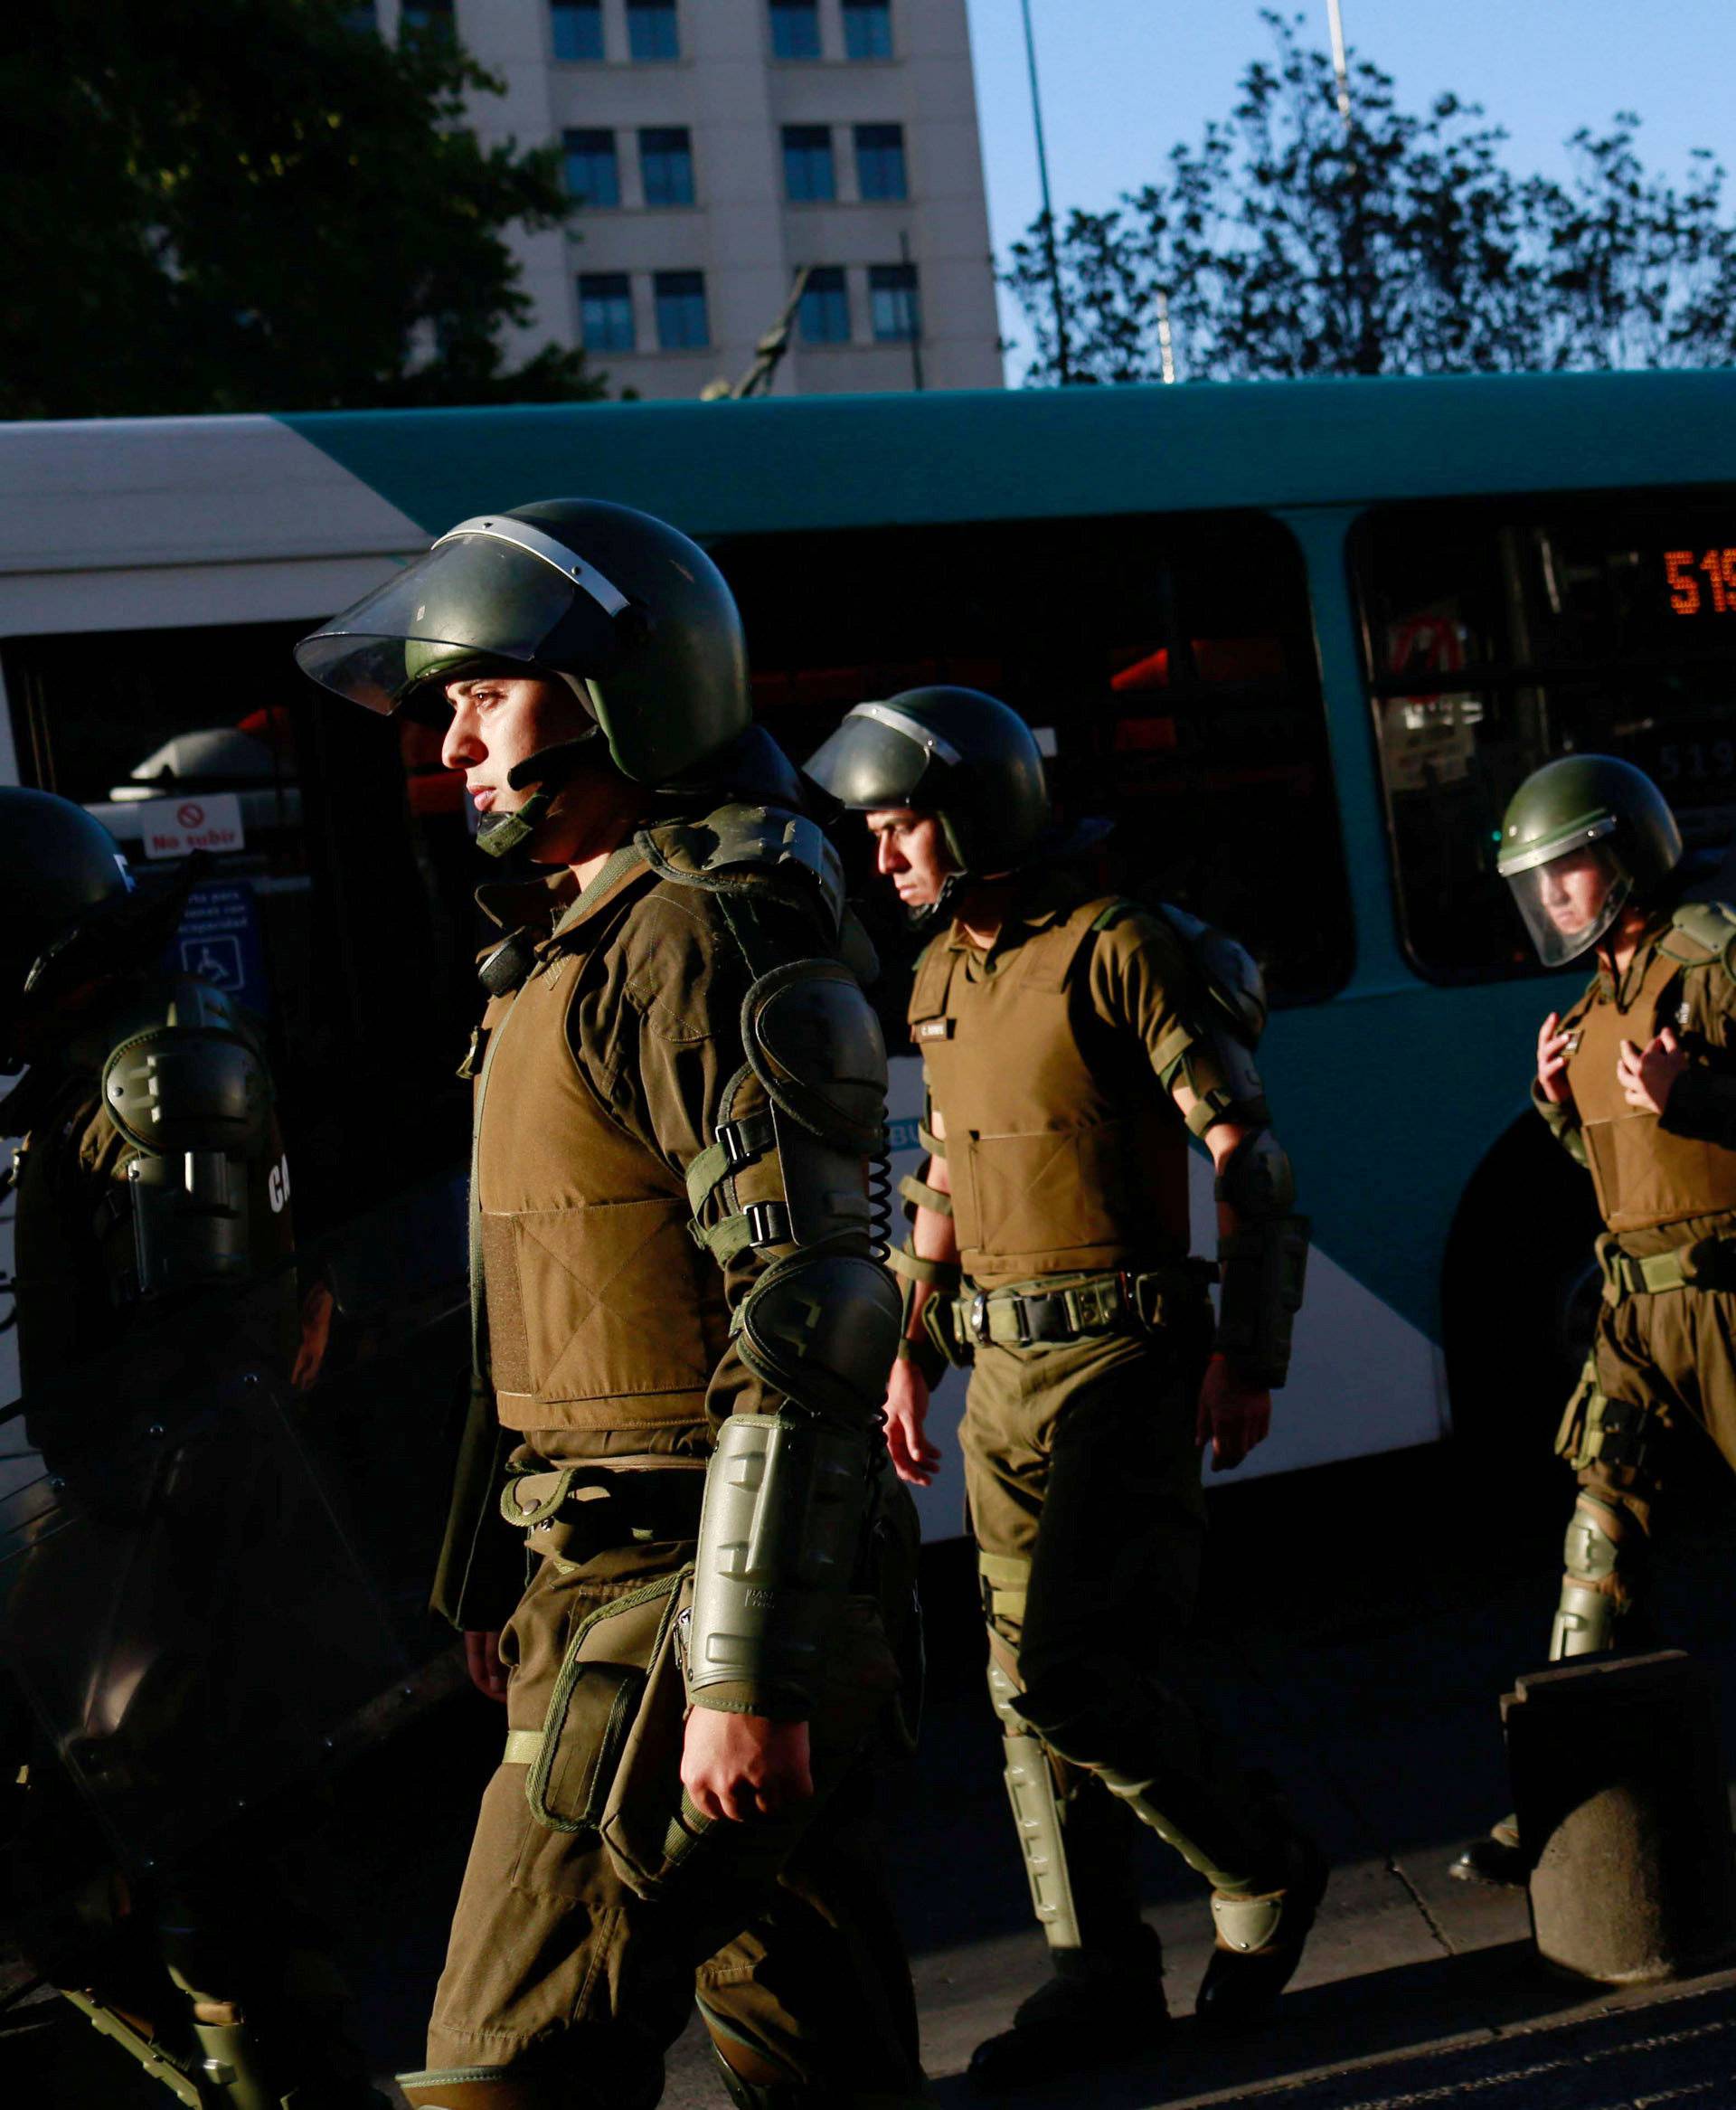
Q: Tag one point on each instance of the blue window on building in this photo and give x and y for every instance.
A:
(682, 322)
(578, 27)
(867, 29)
(652, 31)
(429, 18)
(809, 178)
(593, 174)
(879, 161)
(893, 310)
(795, 29)
(824, 316)
(605, 311)
(666, 165)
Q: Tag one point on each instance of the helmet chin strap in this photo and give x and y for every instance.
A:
(549, 770)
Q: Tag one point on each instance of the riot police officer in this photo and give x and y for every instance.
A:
(1071, 1040)
(152, 1268)
(1637, 1080)
(683, 1330)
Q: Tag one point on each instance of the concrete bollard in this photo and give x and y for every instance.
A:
(1622, 1805)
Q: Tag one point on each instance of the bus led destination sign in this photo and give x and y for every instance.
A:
(1702, 582)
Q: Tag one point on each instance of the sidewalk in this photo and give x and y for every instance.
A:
(1359, 1626)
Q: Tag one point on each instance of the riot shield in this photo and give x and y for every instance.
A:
(178, 1603)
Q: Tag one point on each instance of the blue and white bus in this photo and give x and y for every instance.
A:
(1301, 639)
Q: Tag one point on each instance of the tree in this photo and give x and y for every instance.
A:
(256, 204)
(1294, 239)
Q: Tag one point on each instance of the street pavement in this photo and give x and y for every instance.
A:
(1358, 1625)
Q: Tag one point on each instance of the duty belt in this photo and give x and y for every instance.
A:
(1130, 1301)
(1708, 1264)
(576, 1510)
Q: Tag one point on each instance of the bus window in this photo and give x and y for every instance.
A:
(1499, 635)
(1166, 664)
(336, 905)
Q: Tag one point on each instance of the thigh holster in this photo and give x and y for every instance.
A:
(1596, 1430)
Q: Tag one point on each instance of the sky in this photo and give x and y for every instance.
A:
(1122, 80)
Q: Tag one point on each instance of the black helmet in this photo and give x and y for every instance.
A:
(634, 616)
(59, 868)
(954, 753)
(1608, 819)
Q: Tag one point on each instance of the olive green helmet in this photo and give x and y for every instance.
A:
(954, 753)
(630, 613)
(1583, 837)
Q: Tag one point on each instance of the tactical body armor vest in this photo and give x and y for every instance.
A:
(1065, 1154)
(1643, 1175)
(601, 1312)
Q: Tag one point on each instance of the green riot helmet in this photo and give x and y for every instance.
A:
(954, 753)
(634, 616)
(60, 871)
(1583, 837)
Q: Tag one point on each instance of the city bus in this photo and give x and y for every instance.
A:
(1299, 640)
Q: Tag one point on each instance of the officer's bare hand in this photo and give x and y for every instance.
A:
(318, 1309)
(1647, 1074)
(1233, 1416)
(743, 1765)
(482, 1659)
(913, 1457)
(1554, 1048)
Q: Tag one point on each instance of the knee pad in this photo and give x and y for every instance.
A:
(1593, 1596)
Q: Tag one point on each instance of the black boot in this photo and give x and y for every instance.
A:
(1496, 1858)
(1261, 1940)
(1093, 2012)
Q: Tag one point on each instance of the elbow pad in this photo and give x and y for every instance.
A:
(1263, 1262)
(786, 1502)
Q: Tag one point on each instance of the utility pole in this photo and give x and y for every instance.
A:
(1165, 342)
(915, 310)
(1339, 66)
(1063, 360)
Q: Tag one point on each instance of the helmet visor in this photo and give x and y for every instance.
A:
(879, 757)
(1571, 901)
(502, 591)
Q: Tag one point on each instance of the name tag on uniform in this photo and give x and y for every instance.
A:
(932, 1029)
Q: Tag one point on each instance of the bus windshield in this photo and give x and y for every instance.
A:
(1501, 634)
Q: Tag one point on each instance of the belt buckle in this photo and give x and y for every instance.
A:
(979, 1317)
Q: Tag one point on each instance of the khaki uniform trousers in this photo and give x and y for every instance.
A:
(781, 1928)
(1082, 1471)
(1665, 1362)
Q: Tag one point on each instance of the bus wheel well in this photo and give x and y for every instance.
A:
(1518, 1295)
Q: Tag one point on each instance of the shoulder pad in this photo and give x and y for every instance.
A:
(1700, 933)
(188, 1080)
(812, 1039)
(1229, 973)
(738, 845)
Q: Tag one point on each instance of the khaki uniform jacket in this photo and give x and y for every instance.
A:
(605, 1327)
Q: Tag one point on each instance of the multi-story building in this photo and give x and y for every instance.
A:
(716, 146)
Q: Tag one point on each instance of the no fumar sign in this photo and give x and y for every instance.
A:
(171, 828)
